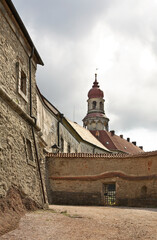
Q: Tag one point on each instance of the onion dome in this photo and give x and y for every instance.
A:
(95, 91)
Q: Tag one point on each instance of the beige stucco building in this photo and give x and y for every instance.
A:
(67, 136)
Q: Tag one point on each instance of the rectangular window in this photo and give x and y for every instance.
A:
(29, 150)
(22, 82)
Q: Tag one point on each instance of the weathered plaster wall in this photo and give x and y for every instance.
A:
(47, 121)
(48, 124)
(89, 148)
(79, 180)
(69, 139)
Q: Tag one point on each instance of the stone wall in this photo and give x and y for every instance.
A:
(16, 169)
(79, 179)
(14, 56)
(18, 158)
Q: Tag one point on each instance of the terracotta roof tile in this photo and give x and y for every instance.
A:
(114, 142)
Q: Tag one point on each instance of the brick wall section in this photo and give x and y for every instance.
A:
(85, 175)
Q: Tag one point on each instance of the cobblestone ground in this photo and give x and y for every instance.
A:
(92, 223)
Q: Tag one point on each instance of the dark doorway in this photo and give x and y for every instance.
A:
(109, 194)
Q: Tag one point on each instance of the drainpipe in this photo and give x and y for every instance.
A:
(60, 116)
(94, 150)
(33, 133)
(58, 132)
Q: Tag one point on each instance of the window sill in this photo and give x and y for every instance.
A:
(32, 163)
(23, 95)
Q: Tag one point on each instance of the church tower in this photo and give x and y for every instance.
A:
(96, 118)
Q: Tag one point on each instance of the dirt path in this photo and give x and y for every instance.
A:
(92, 223)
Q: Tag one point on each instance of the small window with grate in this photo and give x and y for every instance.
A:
(109, 194)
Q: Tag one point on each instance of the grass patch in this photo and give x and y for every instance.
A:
(47, 210)
(65, 213)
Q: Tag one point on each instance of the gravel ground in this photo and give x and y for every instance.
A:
(93, 223)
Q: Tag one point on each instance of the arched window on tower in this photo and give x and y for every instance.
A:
(94, 104)
(101, 105)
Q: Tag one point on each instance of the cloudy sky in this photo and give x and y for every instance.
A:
(119, 37)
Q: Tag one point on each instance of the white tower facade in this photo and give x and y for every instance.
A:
(96, 118)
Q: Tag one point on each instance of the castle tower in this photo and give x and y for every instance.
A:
(96, 118)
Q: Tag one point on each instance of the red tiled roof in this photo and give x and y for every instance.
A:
(114, 142)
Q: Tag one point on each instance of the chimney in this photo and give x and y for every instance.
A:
(141, 147)
(97, 134)
(121, 136)
(134, 143)
(128, 139)
(112, 133)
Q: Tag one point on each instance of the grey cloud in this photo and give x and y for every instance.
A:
(62, 30)
(133, 19)
(66, 18)
(136, 111)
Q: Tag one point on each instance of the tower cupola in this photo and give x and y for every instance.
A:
(96, 118)
(95, 91)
